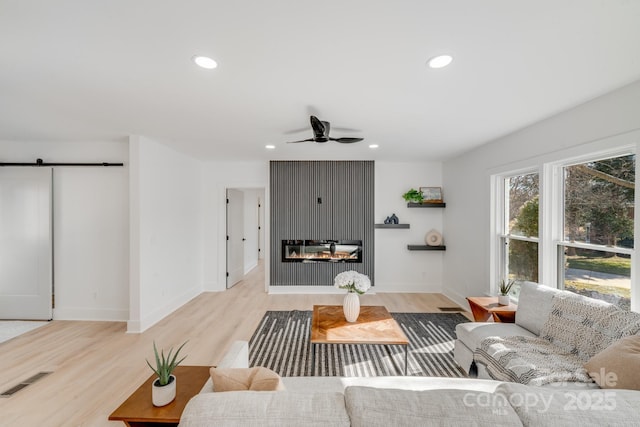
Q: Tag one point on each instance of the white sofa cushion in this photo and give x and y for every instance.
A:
(237, 356)
(534, 305)
(374, 407)
(472, 333)
(338, 384)
(545, 406)
(265, 408)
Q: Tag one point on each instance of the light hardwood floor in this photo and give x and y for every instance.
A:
(97, 365)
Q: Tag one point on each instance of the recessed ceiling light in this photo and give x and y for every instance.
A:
(270, 147)
(373, 146)
(205, 62)
(440, 61)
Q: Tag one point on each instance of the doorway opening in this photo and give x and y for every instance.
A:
(245, 239)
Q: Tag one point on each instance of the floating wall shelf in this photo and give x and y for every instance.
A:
(426, 205)
(426, 248)
(392, 225)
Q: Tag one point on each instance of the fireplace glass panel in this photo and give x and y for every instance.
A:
(322, 251)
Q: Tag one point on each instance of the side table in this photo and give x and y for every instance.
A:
(138, 410)
(485, 308)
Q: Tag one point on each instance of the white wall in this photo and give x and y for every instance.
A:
(397, 268)
(467, 178)
(166, 231)
(90, 225)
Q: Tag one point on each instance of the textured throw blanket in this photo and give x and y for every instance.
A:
(577, 329)
(527, 360)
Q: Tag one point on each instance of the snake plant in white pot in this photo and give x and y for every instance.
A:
(504, 289)
(163, 389)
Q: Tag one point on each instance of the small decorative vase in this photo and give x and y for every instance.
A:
(351, 306)
(433, 238)
(504, 300)
(163, 395)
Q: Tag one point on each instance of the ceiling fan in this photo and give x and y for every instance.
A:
(321, 133)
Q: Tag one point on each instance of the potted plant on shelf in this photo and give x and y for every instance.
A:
(413, 195)
(356, 284)
(163, 389)
(504, 289)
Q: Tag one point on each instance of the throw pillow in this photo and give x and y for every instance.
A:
(621, 359)
(238, 379)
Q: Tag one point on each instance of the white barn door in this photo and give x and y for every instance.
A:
(26, 276)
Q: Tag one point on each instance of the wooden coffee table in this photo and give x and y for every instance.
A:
(374, 326)
(485, 308)
(138, 410)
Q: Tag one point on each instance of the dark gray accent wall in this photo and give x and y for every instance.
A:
(320, 200)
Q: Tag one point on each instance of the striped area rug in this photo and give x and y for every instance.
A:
(281, 343)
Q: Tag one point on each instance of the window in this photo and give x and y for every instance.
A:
(519, 229)
(597, 243)
(582, 240)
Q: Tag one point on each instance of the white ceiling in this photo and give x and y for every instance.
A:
(87, 70)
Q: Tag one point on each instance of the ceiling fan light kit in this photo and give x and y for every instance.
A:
(321, 131)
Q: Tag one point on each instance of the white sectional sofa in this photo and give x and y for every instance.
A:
(406, 401)
(555, 333)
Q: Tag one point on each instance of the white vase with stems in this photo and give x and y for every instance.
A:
(351, 306)
(356, 284)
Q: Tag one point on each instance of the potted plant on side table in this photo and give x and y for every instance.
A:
(504, 289)
(163, 389)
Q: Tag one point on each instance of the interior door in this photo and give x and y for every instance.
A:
(260, 230)
(26, 276)
(235, 236)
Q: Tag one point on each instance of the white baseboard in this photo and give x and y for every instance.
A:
(413, 288)
(309, 290)
(304, 290)
(213, 286)
(138, 326)
(408, 287)
(251, 267)
(111, 315)
(461, 300)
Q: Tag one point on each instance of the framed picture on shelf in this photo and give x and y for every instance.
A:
(431, 194)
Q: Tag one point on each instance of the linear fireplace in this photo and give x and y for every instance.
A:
(322, 251)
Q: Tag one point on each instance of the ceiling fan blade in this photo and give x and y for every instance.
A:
(317, 126)
(340, 129)
(298, 130)
(304, 140)
(346, 140)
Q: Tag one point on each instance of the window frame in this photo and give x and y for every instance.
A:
(559, 242)
(551, 209)
(503, 236)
